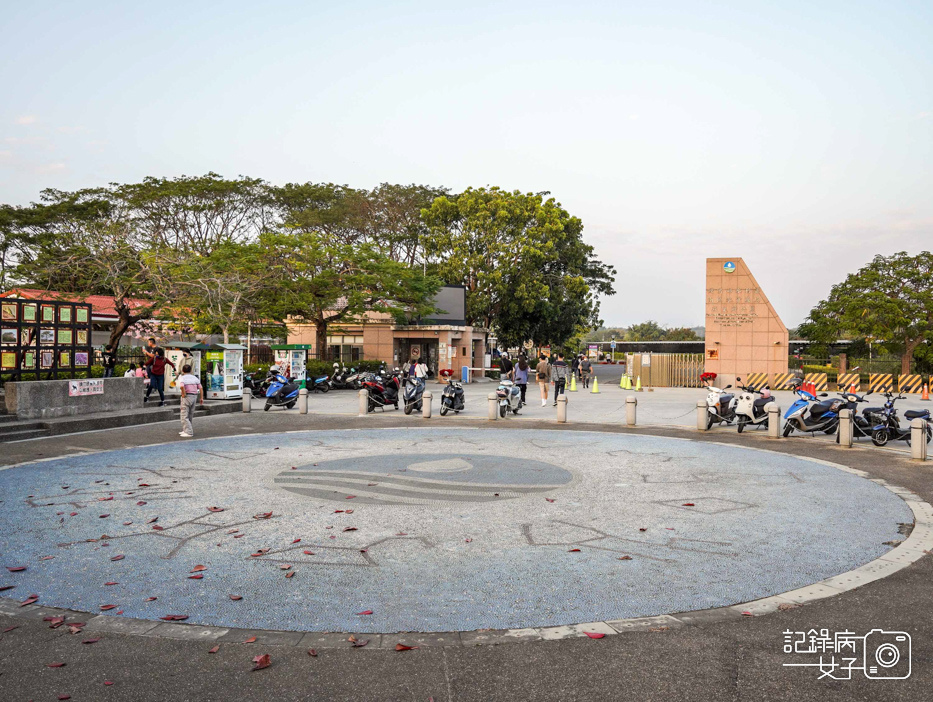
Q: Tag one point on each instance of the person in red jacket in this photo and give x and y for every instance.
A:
(157, 375)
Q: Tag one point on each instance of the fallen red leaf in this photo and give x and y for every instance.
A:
(104, 608)
(152, 521)
(296, 541)
(642, 529)
(64, 697)
(104, 499)
(111, 583)
(290, 574)
(233, 531)
(127, 523)
(73, 514)
(689, 504)
(239, 536)
(308, 553)
(359, 644)
(90, 641)
(468, 540)
(10, 628)
(349, 511)
(7, 587)
(350, 529)
(54, 665)
(76, 627)
(368, 611)
(158, 528)
(574, 550)
(263, 661)
(311, 652)
(174, 617)
(16, 569)
(140, 503)
(747, 614)
(251, 639)
(46, 558)
(593, 635)
(625, 558)
(350, 497)
(198, 569)
(32, 599)
(195, 577)
(119, 611)
(150, 599)
(285, 566)
(104, 516)
(117, 558)
(108, 682)
(215, 649)
(55, 622)
(215, 509)
(403, 647)
(262, 515)
(235, 598)
(402, 533)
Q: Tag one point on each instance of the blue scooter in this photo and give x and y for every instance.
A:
(321, 384)
(822, 416)
(282, 392)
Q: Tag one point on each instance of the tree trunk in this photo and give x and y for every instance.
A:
(124, 322)
(320, 338)
(226, 335)
(909, 346)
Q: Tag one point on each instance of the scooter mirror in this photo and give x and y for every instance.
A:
(728, 386)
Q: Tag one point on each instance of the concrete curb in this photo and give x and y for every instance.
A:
(918, 544)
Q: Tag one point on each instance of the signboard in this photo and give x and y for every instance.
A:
(612, 345)
(80, 388)
(56, 334)
(646, 359)
(593, 350)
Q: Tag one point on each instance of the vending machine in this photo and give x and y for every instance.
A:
(292, 360)
(224, 371)
(182, 353)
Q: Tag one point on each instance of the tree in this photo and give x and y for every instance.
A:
(889, 300)
(680, 334)
(646, 331)
(320, 279)
(85, 245)
(522, 260)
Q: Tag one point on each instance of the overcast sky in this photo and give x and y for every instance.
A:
(797, 135)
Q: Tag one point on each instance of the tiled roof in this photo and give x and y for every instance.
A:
(102, 305)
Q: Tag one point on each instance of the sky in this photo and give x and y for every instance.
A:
(795, 135)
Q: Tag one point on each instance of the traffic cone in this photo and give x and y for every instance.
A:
(926, 393)
(573, 383)
(638, 384)
(595, 390)
(852, 388)
(622, 382)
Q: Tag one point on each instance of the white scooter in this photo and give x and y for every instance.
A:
(750, 410)
(720, 406)
(510, 397)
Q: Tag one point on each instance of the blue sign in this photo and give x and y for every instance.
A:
(612, 345)
(729, 267)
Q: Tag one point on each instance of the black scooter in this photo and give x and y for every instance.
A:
(414, 390)
(890, 429)
(452, 400)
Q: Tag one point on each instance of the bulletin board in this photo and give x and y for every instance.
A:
(49, 338)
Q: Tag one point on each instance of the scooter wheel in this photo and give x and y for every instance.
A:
(788, 428)
(880, 437)
(290, 405)
(830, 430)
(709, 421)
(502, 411)
(408, 408)
(267, 407)
(325, 387)
(371, 407)
(444, 410)
(741, 425)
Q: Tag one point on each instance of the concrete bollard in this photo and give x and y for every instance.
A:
(303, 401)
(364, 402)
(844, 437)
(702, 415)
(247, 400)
(493, 402)
(426, 404)
(631, 402)
(774, 421)
(918, 440)
(561, 409)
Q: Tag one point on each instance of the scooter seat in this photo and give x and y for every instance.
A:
(917, 414)
(762, 401)
(872, 410)
(725, 399)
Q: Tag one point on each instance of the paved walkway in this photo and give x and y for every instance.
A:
(738, 658)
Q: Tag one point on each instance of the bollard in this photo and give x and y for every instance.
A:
(303, 401)
(774, 420)
(493, 401)
(426, 404)
(918, 440)
(561, 409)
(364, 402)
(630, 403)
(247, 400)
(844, 434)
(702, 416)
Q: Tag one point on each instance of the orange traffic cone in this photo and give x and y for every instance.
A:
(926, 393)
(852, 388)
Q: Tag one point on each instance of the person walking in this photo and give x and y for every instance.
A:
(110, 360)
(419, 368)
(191, 392)
(586, 371)
(521, 376)
(506, 367)
(560, 371)
(575, 367)
(543, 376)
(157, 375)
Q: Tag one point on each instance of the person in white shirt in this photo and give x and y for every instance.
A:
(421, 369)
(191, 392)
(131, 372)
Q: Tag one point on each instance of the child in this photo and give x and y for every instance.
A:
(191, 392)
(131, 371)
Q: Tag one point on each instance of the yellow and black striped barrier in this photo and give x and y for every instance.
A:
(845, 381)
(779, 381)
(909, 383)
(819, 380)
(756, 380)
(880, 382)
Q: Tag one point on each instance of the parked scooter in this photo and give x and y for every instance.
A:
(862, 424)
(751, 410)
(414, 392)
(509, 396)
(319, 384)
(383, 390)
(338, 381)
(820, 416)
(453, 399)
(720, 406)
(890, 429)
(282, 392)
(257, 385)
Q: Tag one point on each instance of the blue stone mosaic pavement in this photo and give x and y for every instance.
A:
(432, 529)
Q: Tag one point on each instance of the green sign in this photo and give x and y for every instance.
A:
(214, 355)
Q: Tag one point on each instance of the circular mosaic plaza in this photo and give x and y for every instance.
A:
(430, 529)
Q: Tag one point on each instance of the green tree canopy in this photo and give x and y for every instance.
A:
(889, 300)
